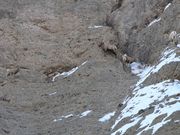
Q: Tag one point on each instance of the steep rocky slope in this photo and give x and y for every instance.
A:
(61, 69)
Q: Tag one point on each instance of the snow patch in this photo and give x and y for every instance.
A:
(126, 100)
(177, 121)
(168, 5)
(95, 27)
(107, 117)
(139, 69)
(85, 113)
(52, 93)
(63, 117)
(178, 45)
(127, 126)
(55, 120)
(154, 21)
(145, 97)
(159, 110)
(66, 74)
(167, 57)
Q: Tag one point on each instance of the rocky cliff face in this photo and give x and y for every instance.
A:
(62, 70)
(149, 31)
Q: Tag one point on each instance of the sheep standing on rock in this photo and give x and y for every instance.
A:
(126, 61)
(173, 37)
(109, 40)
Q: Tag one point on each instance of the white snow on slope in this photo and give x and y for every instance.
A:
(178, 45)
(83, 114)
(107, 117)
(52, 93)
(148, 96)
(168, 5)
(167, 57)
(63, 117)
(143, 99)
(66, 74)
(95, 27)
(154, 21)
(124, 128)
(139, 69)
(177, 121)
(159, 111)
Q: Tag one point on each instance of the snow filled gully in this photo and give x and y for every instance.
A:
(156, 100)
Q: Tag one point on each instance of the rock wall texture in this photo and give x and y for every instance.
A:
(41, 38)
